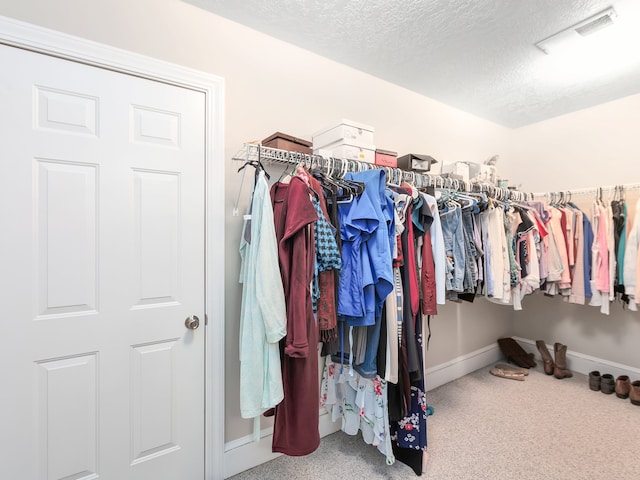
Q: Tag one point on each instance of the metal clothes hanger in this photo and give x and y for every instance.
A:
(257, 164)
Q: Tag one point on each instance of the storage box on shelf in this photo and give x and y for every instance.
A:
(346, 139)
(416, 161)
(458, 170)
(483, 173)
(345, 131)
(386, 158)
(361, 153)
(283, 141)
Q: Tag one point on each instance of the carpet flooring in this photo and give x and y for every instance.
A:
(485, 427)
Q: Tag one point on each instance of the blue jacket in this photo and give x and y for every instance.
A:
(366, 225)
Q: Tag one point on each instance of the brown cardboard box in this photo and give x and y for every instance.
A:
(283, 141)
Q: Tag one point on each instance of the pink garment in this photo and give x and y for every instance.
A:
(577, 286)
(602, 266)
(570, 236)
(542, 245)
(558, 235)
(599, 265)
(612, 252)
(565, 221)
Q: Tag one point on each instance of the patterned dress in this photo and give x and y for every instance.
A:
(361, 404)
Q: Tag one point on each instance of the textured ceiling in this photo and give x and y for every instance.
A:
(475, 55)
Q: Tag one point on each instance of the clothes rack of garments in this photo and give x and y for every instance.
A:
(611, 265)
(363, 256)
(372, 334)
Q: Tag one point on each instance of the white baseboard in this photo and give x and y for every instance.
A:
(581, 363)
(243, 453)
(460, 366)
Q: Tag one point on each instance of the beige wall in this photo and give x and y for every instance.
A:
(591, 147)
(272, 86)
(598, 146)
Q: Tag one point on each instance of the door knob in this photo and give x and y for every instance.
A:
(192, 322)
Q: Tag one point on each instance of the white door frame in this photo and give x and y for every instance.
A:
(41, 40)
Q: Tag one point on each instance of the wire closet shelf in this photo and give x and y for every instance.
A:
(618, 190)
(252, 152)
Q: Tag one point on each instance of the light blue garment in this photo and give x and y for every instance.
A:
(588, 244)
(263, 310)
(488, 260)
(622, 245)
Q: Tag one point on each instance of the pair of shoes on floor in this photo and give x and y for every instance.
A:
(607, 385)
(554, 366)
(510, 372)
(622, 386)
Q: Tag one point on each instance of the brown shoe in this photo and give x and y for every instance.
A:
(560, 369)
(623, 386)
(546, 357)
(507, 373)
(634, 392)
(505, 366)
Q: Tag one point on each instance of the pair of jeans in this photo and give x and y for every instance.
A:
(470, 269)
(452, 231)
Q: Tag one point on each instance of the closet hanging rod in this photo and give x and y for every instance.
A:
(590, 190)
(254, 152)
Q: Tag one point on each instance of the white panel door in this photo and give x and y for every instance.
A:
(102, 260)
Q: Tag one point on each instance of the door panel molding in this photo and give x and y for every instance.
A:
(41, 40)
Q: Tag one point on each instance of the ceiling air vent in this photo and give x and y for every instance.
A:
(585, 28)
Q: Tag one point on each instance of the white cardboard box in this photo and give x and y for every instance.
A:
(458, 168)
(346, 151)
(482, 173)
(345, 131)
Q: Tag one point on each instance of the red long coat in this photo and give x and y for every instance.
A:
(295, 430)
